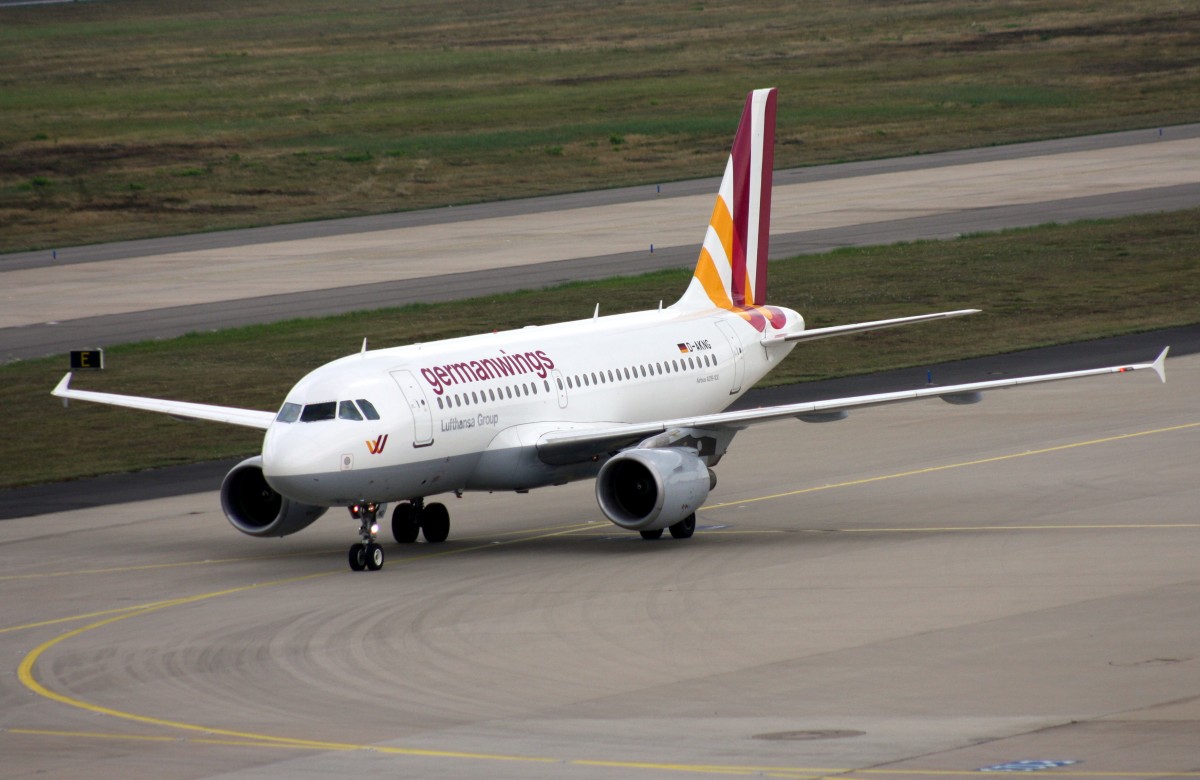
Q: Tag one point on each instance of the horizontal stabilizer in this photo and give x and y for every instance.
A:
(862, 327)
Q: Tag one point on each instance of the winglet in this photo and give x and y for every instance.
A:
(1159, 365)
(63, 386)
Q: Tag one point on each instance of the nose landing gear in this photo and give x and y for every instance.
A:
(410, 519)
(367, 553)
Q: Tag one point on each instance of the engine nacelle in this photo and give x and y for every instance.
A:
(254, 508)
(649, 489)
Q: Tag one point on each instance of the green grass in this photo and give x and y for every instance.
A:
(1039, 286)
(145, 117)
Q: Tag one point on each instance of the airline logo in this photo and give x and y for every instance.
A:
(732, 269)
(759, 316)
(376, 447)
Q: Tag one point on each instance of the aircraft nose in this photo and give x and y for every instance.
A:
(293, 461)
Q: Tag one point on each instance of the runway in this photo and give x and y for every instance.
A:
(112, 294)
(921, 590)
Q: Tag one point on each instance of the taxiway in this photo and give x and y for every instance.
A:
(922, 590)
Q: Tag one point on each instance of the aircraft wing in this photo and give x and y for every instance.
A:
(249, 418)
(574, 446)
(862, 327)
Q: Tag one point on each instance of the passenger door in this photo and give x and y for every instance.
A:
(739, 357)
(422, 414)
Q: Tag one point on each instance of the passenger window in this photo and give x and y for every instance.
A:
(439, 402)
(509, 391)
(288, 413)
(368, 409)
(348, 411)
(319, 412)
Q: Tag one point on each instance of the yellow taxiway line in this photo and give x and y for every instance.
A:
(218, 736)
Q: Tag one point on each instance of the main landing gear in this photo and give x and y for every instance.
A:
(681, 530)
(367, 553)
(430, 520)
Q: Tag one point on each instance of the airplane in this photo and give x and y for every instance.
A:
(632, 400)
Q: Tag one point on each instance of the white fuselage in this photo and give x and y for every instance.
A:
(466, 413)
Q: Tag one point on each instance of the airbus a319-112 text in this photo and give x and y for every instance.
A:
(632, 400)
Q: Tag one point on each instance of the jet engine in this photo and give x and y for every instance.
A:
(651, 489)
(255, 509)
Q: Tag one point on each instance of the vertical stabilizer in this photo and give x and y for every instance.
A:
(732, 270)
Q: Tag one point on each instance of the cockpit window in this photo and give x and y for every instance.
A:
(318, 412)
(368, 409)
(348, 411)
(288, 413)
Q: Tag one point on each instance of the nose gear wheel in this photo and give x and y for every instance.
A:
(366, 554)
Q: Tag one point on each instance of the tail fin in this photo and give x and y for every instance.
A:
(732, 270)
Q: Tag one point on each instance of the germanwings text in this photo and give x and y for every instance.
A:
(533, 362)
